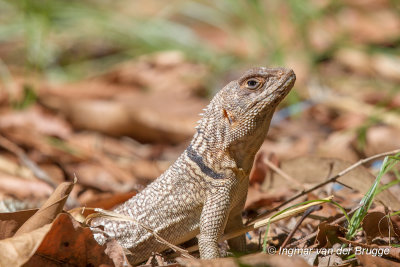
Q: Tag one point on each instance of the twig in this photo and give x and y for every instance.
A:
(265, 222)
(330, 180)
(311, 236)
(119, 217)
(282, 173)
(303, 217)
(24, 159)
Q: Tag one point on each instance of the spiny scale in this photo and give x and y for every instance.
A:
(204, 191)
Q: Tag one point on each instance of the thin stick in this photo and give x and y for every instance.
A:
(299, 222)
(330, 180)
(265, 221)
(24, 159)
(100, 213)
(311, 236)
(282, 173)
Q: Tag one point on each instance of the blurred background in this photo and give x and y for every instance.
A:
(111, 90)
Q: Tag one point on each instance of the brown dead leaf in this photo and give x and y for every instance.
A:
(375, 26)
(394, 252)
(372, 65)
(348, 121)
(97, 176)
(17, 250)
(160, 117)
(164, 110)
(338, 145)
(164, 71)
(69, 243)
(11, 221)
(355, 60)
(387, 66)
(41, 146)
(36, 119)
(93, 141)
(368, 4)
(323, 33)
(259, 170)
(50, 209)
(258, 259)
(313, 170)
(107, 202)
(330, 260)
(328, 235)
(116, 253)
(7, 228)
(11, 167)
(380, 139)
(257, 198)
(369, 260)
(377, 224)
(23, 188)
(395, 102)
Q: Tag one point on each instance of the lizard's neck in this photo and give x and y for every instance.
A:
(206, 151)
(216, 149)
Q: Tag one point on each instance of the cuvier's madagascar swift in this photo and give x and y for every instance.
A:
(204, 191)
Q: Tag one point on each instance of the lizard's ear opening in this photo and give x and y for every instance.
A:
(228, 115)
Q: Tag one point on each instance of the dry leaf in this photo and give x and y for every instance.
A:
(17, 250)
(50, 209)
(377, 224)
(116, 253)
(23, 188)
(313, 170)
(328, 235)
(108, 202)
(36, 119)
(258, 259)
(67, 243)
(259, 170)
(369, 260)
(13, 220)
(257, 198)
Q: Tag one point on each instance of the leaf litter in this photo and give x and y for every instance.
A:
(118, 130)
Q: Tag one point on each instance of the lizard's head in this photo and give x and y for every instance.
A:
(238, 117)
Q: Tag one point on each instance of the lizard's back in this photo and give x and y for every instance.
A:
(163, 207)
(206, 187)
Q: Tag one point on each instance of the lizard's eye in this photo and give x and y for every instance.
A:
(252, 84)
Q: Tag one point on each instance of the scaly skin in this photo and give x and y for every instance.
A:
(204, 191)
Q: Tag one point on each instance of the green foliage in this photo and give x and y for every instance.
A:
(70, 40)
(27, 100)
(265, 242)
(366, 202)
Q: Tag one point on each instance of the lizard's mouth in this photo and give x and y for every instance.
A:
(286, 84)
(289, 80)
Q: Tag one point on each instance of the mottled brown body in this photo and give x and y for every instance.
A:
(204, 191)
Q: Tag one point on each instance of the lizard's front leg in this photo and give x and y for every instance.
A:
(212, 221)
(235, 221)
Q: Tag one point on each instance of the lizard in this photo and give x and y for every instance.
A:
(203, 192)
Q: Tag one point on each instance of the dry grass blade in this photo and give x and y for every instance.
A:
(311, 236)
(266, 221)
(334, 178)
(282, 173)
